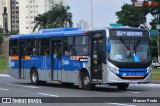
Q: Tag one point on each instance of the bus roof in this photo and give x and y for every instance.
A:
(56, 32)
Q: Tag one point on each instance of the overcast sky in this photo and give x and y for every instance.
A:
(103, 11)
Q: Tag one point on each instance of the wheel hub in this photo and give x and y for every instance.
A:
(34, 77)
(86, 80)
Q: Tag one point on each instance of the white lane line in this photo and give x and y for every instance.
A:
(133, 92)
(4, 75)
(119, 104)
(13, 85)
(24, 86)
(30, 87)
(4, 89)
(48, 95)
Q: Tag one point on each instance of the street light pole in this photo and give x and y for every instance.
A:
(91, 14)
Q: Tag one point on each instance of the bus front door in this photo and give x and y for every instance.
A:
(21, 55)
(56, 60)
(97, 56)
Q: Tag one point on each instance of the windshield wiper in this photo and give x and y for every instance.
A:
(136, 45)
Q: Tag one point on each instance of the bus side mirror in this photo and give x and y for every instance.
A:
(108, 47)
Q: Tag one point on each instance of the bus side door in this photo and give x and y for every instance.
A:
(56, 63)
(21, 55)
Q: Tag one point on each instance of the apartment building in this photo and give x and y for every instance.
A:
(29, 9)
(14, 15)
(9, 15)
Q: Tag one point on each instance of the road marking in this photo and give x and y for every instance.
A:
(119, 104)
(24, 86)
(147, 85)
(30, 87)
(133, 92)
(4, 75)
(4, 89)
(48, 94)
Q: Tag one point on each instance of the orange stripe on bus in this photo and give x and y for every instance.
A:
(14, 57)
(17, 58)
(27, 57)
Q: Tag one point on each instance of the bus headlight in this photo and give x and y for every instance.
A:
(149, 69)
(114, 70)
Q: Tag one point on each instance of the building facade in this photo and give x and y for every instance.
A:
(82, 24)
(14, 15)
(9, 15)
(29, 9)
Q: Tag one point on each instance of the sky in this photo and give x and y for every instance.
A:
(103, 11)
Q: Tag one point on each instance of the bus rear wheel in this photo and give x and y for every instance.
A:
(122, 86)
(34, 77)
(86, 82)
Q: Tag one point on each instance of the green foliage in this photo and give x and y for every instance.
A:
(58, 16)
(3, 64)
(132, 16)
(154, 46)
(153, 23)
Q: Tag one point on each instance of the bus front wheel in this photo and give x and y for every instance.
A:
(34, 77)
(122, 86)
(86, 82)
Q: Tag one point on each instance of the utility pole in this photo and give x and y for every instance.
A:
(91, 14)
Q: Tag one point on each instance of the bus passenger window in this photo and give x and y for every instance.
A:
(46, 52)
(34, 51)
(67, 53)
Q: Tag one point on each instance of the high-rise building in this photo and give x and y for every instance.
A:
(4, 16)
(14, 15)
(29, 9)
(83, 24)
(1, 12)
(9, 15)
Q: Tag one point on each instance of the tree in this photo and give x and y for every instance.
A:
(155, 12)
(64, 18)
(58, 16)
(153, 23)
(132, 16)
(40, 21)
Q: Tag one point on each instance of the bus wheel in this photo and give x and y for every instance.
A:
(86, 83)
(34, 77)
(122, 86)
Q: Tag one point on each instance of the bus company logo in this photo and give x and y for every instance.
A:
(65, 62)
(6, 100)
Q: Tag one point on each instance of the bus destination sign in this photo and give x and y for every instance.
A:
(129, 33)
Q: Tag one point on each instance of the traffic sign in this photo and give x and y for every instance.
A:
(116, 25)
(153, 32)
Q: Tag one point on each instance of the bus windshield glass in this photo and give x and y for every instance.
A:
(130, 50)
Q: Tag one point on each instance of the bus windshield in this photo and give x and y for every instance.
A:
(130, 50)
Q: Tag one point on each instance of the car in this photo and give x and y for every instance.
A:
(155, 63)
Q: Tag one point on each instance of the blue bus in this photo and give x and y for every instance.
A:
(115, 56)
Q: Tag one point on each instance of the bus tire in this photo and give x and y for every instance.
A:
(122, 86)
(86, 83)
(34, 77)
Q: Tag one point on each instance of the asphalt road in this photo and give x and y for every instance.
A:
(10, 87)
